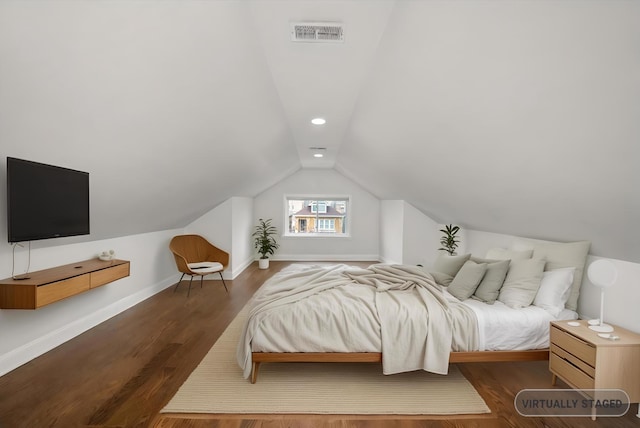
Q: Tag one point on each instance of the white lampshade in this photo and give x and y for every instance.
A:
(602, 273)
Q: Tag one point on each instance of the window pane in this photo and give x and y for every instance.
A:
(312, 216)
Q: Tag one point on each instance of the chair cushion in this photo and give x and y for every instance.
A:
(202, 268)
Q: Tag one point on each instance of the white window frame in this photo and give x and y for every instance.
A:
(348, 216)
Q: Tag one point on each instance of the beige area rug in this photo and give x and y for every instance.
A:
(216, 386)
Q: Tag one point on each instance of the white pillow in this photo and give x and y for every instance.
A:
(554, 290)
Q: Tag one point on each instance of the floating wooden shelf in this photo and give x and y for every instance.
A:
(51, 285)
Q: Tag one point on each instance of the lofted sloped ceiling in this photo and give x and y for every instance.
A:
(512, 117)
(516, 117)
(320, 79)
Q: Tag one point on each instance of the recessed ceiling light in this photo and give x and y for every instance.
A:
(318, 155)
(318, 121)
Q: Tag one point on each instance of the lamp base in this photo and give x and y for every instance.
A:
(604, 328)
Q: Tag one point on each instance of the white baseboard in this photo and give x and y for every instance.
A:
(389, 261)
(238, 270)
(326, 257)
(25, 353)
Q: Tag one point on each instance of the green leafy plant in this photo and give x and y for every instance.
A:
(449, 241)
(264, 241)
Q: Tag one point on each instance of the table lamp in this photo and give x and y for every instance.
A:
(602, 273)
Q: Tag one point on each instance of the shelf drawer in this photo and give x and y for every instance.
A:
(574, 346)
(110, 274)
(59, 290)
(570, 373)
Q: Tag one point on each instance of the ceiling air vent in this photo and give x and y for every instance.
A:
(317, 32)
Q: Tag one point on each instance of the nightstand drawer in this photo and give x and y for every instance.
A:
(572, 359)
(583, 350)
(570, 373)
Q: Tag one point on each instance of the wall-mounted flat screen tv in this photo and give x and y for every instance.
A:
(45, 201)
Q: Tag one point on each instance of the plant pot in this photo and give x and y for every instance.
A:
(263, 263)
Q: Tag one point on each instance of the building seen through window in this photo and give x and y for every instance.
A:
(320, 217)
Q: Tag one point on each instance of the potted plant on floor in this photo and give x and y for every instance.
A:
(264, 241)
(449, 241)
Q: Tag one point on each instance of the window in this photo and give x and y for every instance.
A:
(326, 224)
(317, 216)
(319, 207)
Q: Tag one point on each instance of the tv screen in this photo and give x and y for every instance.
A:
(45, 201)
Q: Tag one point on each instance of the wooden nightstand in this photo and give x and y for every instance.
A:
(586, 361)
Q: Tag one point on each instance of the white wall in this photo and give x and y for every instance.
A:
(407, 235)
(26, 334)
(214, 226)
(228, 227)
(621, 300)
(421, 237)
(391, 227)
(365, 217)
(242, 227)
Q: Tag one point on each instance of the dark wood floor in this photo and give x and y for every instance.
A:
(122, 372)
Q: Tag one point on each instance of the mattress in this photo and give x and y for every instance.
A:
(501, 328)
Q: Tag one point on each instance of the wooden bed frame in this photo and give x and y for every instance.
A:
(376, 357)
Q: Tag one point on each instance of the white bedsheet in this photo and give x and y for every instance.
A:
(501, 328)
